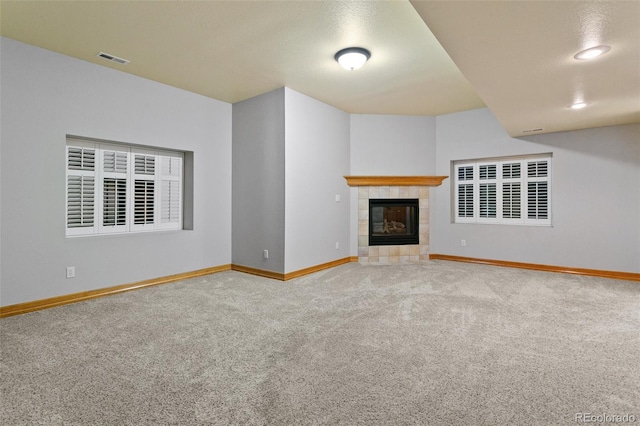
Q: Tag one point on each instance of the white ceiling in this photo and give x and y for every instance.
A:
(515, 57)
(518, 56)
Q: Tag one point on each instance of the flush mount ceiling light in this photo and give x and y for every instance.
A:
(578, 105)
(352, 58)
(592, 52)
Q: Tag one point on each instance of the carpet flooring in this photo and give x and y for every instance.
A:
(438, 343)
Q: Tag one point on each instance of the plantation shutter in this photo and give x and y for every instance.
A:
(81, 160)
(538, 190)
(465, 189)
(487, 191)
(144, 190)
(511, 190)
(170, 191)
(117, 189)
(507, 190)
(114, 162)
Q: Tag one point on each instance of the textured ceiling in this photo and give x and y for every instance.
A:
(234, 50)
(516, 55)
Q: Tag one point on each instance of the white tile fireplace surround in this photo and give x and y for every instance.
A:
(393, 187)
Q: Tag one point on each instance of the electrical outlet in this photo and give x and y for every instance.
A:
(337, 245)
(337, 198)
(463, 243)
(265, 254)
(71, 271)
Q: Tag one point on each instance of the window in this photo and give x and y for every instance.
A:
(117, 188)
(510, 190)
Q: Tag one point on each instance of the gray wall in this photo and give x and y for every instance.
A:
(46, 96)
(259, 182)
(392, 145)
(596, 202)
(317, 159)
(289, 155)
(389, 145)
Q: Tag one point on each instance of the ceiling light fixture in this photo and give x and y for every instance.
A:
(352, 58)
(578, 105)
(592, 52)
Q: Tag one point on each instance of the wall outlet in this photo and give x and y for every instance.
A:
(265, 254)
(337, 245)
(71, 271)
(463, 243)
(337, 198)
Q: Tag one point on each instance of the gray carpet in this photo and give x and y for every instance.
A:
(440, 343)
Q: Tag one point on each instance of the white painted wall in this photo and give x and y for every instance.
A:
(258, 181)
(46, 96)
(596, 202)
(316, 161)
(389, 145)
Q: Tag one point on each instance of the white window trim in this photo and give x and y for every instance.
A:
(499, 182)
(99, 174)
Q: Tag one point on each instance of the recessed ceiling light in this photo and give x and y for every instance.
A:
(578, 105)
(592, 52)
(352, 58)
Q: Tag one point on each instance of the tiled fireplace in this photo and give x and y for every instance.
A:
(399, 189)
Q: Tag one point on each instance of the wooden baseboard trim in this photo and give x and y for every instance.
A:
(23, 308)
(628, 276)
(51, 302)
(295, 274)
(312, 269)
(259, 272)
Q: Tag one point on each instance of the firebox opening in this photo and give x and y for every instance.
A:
(393, 221)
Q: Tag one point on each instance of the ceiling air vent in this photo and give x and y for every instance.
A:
(113, 58)
(533, 130)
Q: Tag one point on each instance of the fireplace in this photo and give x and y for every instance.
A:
(393, 221)
(392, 189)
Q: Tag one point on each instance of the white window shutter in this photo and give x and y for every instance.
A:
(465, 199)
(487, 192)
(119, 189)
(511, 170)
(144, 191)
(538, 200)
(170, 191)
(81, 158)
(512, 191)
(114, 202)
(488, 200)
(81, 196)
(80, 201)
(511, 200)
(538, 192)
(507, 190)
(114, 161)
(145, 164)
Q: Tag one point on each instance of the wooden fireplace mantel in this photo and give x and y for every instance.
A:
(395, 180)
